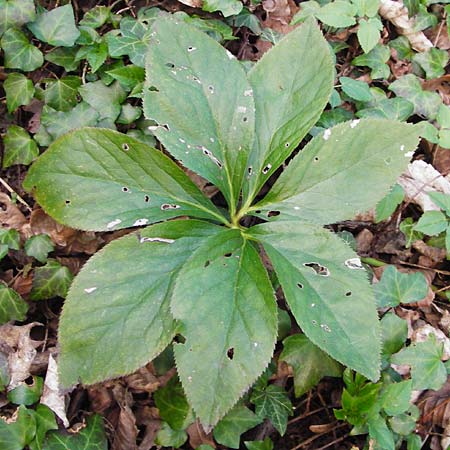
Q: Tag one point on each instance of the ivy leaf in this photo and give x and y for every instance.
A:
(104, 99)
(314, 187)
(338, 14)
(226, 281)
(432, 223)
(205, 117)
(56, 27)
(20, 148)
(291, 84)
(135, 184)
(27, 394)
(427, 369)
(90, 437)
(95, 54)
(57, 123)
(226, 7)
(10, 237)
(12, 305)
(441, 200)
(380, 432)
(92, 332)
(16, 434)
(173, 406)
(19, 52)
(433, 62)
(369, 33)
(394, 331)
(45, 421)
(128, 76)
(425, 103)
(309, 362)
(129, 114)
(19, 91)
(51, 280)
(64, 57)
(367, 8)
(272, 402)
(16, 13)
(358, 90)
(167, 437)
(39, 247)
(395, 398)
(390, 108)
(308, 9)
(228, 431)
(396, 287)
(387, 206)
(133, 42)
(267, 444)
(376, 59)
(96, 17)
(322, 281)
(61, 94)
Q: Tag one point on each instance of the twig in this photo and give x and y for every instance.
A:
(313, 438)
(12, 191)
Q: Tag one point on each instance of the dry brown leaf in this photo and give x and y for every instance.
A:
(10, 214)
(16, 344)
(434, 253)
(23, 284)
(364, 241)
(126, 431)
(435, 406)
(143, 380)
(197, 436)
(151, 430)
(397, 14)
(52, 395)
(440, 85)
(100, 398)
(439, 36)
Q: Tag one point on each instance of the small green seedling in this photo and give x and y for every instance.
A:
(199, 282)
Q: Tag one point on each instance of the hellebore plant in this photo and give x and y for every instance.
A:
(201, 277)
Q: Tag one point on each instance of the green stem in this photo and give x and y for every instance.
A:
(373, 262)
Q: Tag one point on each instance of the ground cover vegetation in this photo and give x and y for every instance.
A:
(224, 225)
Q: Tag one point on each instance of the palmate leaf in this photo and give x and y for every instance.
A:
(327, 290)
(116, 317)
(341, 172)
(200, 97)
(224, 300)
(134, 184)
(292, 84)
(15, 13)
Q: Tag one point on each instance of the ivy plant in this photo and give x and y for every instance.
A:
(199, 282)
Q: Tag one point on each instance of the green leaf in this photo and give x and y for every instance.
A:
(205, 117)
(443, 117)
(322, 280)
(380, 432)
(395, 398)
(228, 431)
(338, 14)
(414, 442)
(12, 305)
(90, 437)
(291, 86)
(45, 421)
(104, 99)
(135, 184)
(387, 206)
(358, 90)
(173, 406)
(441, 200)
(226, 7)
(96, 17)
(391, 108)
(308, 9)
(27, 394)
(234, 307)
(16, 434)
(425, 103)
(432, 223)
(407, 227)
(394, 331)
(402, 47)
(128, 76)
(56, 27)
(133, 42)
(246, 19)
(310, 364)
(64, 57)
(129, 283)
(61, 94)
(19, 91)
(369, 33)
(444, 138)
(20, 148)
(267, 444)
(15, 13)
(376, 59)
(167, 437)
(273, 403)
(433, 62)
(10, 237)
(51, 280)
(129, 114)
(368, 8)
(396, 287)
(427, 369)
(95, 54)
(39, 247)
(403, 424)
(315, 186)
(19, 53)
